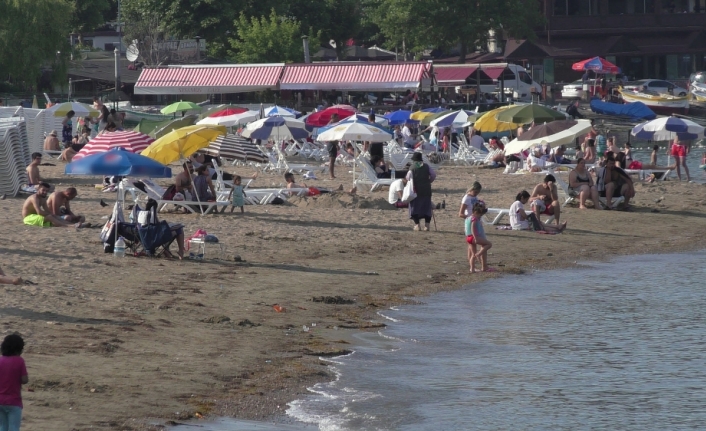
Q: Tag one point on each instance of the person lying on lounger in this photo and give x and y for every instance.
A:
(313, 191)
(36, 213)
(59, 206)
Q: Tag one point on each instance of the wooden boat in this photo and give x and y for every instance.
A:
(660, 103)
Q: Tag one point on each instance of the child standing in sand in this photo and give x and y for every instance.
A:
(13, 374)
(475, 235)
(238, 194)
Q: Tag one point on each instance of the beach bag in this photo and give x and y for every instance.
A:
(169, 193)
(408, 193)
(534, 222)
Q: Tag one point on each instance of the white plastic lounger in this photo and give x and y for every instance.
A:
(367, 175)
(155, 191)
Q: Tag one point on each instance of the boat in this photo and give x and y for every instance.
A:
(698, 92)
(636, 111)
(660, 103)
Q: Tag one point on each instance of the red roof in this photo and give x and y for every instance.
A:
(453, 75)
(494, 72)
(208, 79)
(354, 76)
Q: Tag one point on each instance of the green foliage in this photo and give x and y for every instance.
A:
(271, 39)
(88, 14)
(31, 33)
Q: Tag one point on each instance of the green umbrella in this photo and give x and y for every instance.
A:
(180, 107)
(426, 120)
(148, 126)
(524, 114)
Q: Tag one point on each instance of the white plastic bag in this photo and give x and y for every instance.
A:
(408, 194)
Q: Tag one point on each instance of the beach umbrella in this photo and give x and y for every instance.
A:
(344, 106)
(353, 118)
(180, 106)
(118, 162)
(399, 117)
(322, 118)
(274, 111)
(596, 64)
(232, 120)
(225, 112)
(131, 141)
(668, 128)
(174, 124)
(235, 147)
(420, 115)
(355, 131)
(35, 105)
(181, 143)
(278, 127)
(80, 110)
(489, 124)
(426, 121)
(560, 132)
(146, 126)
(525, 114)
(455, 118)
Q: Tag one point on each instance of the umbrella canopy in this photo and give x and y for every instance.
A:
(455, 118)
(80, 110)
(182, 143)
(174, 124)
(353, 118)
(399, 117)
(133, 142)
(228, 111)
(118, 161)
(236, 148)
(556, 133)
(427, 120)
(280, 111)
(344, 106)
(668, 128)
(180, 107)
(488, 123)
(148, 126)
(278, 127)
(596, 64)
(355, 131)
(525, 114)
(232, 120)
(322, 118)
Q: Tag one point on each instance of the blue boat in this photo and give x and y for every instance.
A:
(635, 111)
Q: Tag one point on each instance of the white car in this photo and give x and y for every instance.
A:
(657, 86)
(573, 90)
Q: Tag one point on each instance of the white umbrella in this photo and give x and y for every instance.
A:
(232, 120)
(455, 118)
(280, 111)
(561, 137)
(355, 131)
(279, 127)
(668, 128)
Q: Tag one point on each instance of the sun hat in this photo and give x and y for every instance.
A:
(53, 133)
(417, 157)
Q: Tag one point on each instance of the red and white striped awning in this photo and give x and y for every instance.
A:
(206, 79)
(391, 76)
(134, 142)
(450, 75)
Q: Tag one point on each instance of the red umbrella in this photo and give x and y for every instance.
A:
(228, 111)
(344, 106)
(322, 118)
(134, 142)
(596, 64)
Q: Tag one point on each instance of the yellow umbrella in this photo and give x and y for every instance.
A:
(489, 124)
(182, 143)
(80, 110)
(420, 115)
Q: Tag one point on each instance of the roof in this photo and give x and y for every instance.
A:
(103, 69)
(205, 79)
(355, 53)
(453, 74)
(355, 76)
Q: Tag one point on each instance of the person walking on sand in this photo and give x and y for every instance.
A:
(679, 150)
(421, 207)
(469, 200)
(475, 235)
(13, 374)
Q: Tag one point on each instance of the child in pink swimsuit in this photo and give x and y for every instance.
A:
(475, 235)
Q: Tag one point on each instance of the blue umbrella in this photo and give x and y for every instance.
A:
(277, 127)
(456, 118)
(281, 111)
(118, 162)
(667, 128)
(399, 117)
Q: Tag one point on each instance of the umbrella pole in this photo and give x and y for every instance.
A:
(194, 188)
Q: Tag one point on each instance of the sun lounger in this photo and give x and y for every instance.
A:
(367, 176)
(155, 191)
(495, 215)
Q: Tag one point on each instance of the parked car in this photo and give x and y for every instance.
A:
(658, 86)
(572, 90)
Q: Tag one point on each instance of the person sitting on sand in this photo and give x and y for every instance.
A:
(519, 219)
(545, 199)
(395, 194)
(614, 182)
(51, 143)
(58, 204)
(6, 279)
(313, 191)
(203, 186)
(33, 170)
(183, 181)
(581, 183)
(36, 213)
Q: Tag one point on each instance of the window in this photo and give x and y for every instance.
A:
(576, 7)
(641, 6)
(524, 77)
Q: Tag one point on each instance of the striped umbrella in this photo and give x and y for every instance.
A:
(235, 147)
(134, 142)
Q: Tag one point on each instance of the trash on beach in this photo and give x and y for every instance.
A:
(278, 308)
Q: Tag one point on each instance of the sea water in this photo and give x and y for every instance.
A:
(608, 346)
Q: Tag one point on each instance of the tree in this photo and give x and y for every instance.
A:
(396, 21)
(272, 39)
(88, 15)
(33, 33)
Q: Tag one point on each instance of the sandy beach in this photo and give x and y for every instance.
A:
(140, 343)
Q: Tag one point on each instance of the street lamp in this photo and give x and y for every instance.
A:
(116, 51)
(198, 49)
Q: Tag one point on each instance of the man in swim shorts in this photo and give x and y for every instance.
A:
(58, 204)
(545, 198)
(33, 170)
(36, 213)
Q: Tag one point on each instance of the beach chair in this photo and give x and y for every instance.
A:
(155, 191)
(367, 175)
(282, 163)
(495, 215)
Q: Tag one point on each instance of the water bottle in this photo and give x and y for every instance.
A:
(119, 249)
(392, 173)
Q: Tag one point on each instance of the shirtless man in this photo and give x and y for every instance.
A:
(616, 182)
(184, 182)
(33, 170)
(545, 199)
(289, 178)
(51, 143)
(36, 213)
(58, 204)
